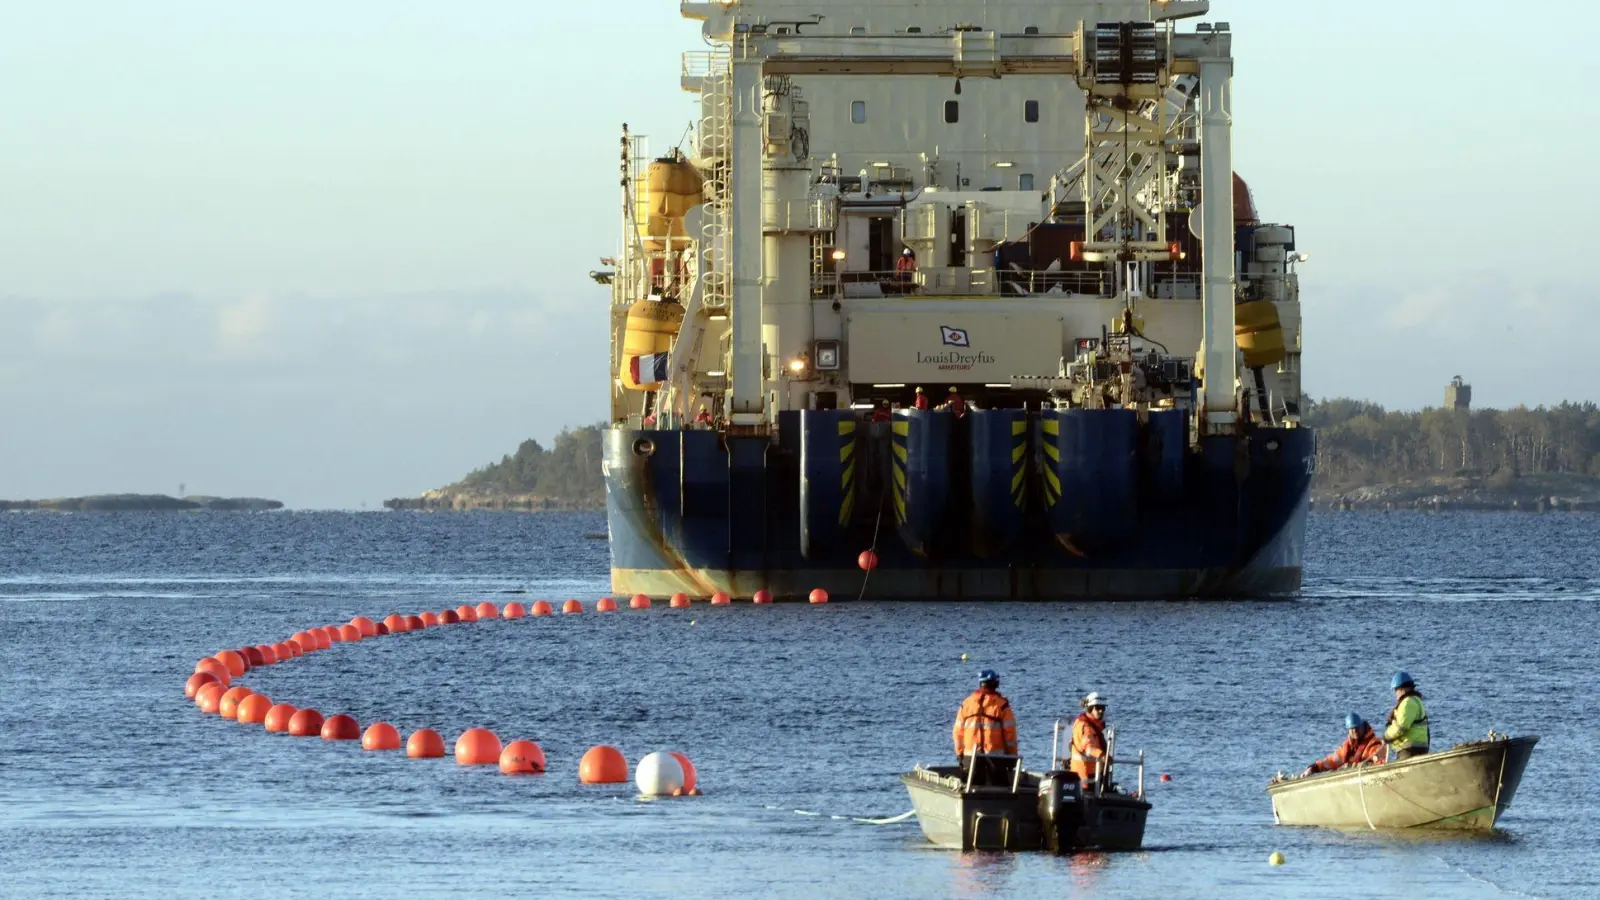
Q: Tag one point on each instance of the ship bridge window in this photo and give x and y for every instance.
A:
(915, 29)
(1030, 111)
(858, 111)
(952, 111)
(858, 29)
(1031, 29)
(1025, 181)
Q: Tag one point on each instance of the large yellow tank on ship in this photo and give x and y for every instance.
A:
(651, 328)
(1258, 333)
(671, 189)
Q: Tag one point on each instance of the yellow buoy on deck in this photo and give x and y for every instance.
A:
(651, 328)
(671, 189)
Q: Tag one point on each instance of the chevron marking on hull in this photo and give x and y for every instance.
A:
(1052, 487)
(1019, 461)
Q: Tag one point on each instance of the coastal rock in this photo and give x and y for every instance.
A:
(142, 503)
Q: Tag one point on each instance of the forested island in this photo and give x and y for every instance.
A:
(566, 476)
(143, 503)
(1367, 457)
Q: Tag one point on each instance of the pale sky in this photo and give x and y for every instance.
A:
(337, 252)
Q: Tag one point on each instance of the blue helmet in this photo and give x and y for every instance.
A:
(1353, 720)
(988, 675)
(1401, 679)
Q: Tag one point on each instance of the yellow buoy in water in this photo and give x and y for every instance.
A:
(1276, 859)
(963, 657)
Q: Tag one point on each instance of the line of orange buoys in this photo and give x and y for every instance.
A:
(213, 689)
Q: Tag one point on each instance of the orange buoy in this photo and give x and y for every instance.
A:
(639, 601)
(466, 613)
(818, 595)
(414, 623)
(229, 706)
(209, 697)
(253, 656)
(380, 736)
(195, 681)
(542, 608)
(341, 728)
(233, 660)
(366, 626)
(350, 633)
(522, 758)
(305, 640)
(429, 619)
(335, 633)
(763, 596)
(305, 723)
(297, 648)
(721, 598)
(487, 610)
(477, 747)
(1165, 777)
(604, 764)
(215, 668)
(572, 606)
(269, 654)
(449, 617)
(679, 600)
(514, 610)
(424, 743)
(396, 623)
(283, 651)
(382, 629)
(688, 771)
(277, 720)
(868, 560)
(253, 709)
(320, 637)
(606, 604)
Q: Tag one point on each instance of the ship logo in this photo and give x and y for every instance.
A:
(954, 337)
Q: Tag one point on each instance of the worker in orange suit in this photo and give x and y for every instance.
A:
(985, 724)
(1089, 739)
(1361, 746)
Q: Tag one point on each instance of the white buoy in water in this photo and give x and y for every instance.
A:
(658, 775)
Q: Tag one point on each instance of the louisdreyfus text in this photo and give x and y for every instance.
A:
(953, 360)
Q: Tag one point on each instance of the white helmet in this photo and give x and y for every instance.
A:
(1094, 699)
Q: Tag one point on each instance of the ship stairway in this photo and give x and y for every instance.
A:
(715, 142)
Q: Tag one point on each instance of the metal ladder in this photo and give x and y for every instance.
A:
(715, 136)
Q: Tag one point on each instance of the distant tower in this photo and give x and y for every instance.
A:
(1457, 394)
(181, 487)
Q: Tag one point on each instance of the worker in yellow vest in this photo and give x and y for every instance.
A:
(1406, 732)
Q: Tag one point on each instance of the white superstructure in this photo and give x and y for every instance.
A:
(1055, 168)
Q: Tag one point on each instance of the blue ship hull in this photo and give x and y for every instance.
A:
(999, 504)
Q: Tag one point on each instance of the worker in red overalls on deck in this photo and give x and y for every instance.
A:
(882, 413)
(922, 399)
(954, 403)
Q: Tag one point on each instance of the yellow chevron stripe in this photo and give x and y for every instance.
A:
(847, 507)
(900, 507)
(846, 426)
(1019, 427)
(849, 473)
(1052, 426)
(1053, 482)
(1016, 481)
(846, 450)
(1053, 452)
(1016, 453)
(901, 427)
(900, 453)
(900, 477)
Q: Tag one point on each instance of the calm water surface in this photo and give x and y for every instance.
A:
(798, 717)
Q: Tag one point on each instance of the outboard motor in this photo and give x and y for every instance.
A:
(1060, 810)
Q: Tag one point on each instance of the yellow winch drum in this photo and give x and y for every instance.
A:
(651, 328)
(1258, 333)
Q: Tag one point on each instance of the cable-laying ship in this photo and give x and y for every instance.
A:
(1109, 336)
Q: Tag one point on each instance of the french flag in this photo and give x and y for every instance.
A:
(650, 369)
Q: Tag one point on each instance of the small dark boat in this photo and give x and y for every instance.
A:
(992, 803)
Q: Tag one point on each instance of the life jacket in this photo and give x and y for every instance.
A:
(1088, 745)
(1365, 747)
(905, 264)
(922, 401)
(985, 724)
(1407, 727)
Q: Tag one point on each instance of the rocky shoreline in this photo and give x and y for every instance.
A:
(142, 503)
(1531, 493)
(460, 501)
